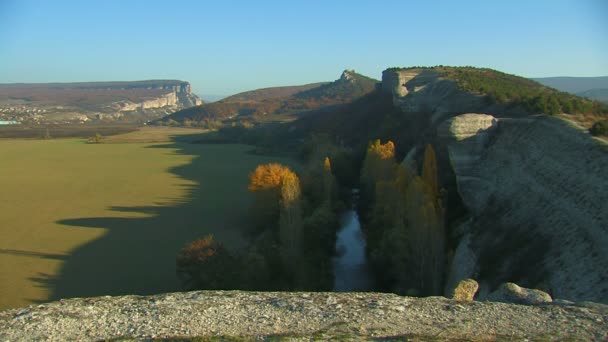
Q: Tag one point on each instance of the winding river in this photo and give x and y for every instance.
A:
(351, 272)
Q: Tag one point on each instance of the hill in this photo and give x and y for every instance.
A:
(560, 168)
(574, 84)
(270, 93)
(600, 94)
(85, 101)
(429, 95)
(265, 105)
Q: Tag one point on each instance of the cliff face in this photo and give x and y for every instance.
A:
(178, 96)
(298, 316)
(427, 91)
(537, 193)
(65, 102)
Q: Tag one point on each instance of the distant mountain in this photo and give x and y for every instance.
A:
(598, 94)
(574, 85)
(211, 97)
(278, 103)
(270, 93)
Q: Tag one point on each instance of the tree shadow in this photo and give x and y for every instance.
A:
(137, 254)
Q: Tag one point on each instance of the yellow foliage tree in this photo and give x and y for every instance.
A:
(329, 181)
(267, 176)
(290, 221)
(378, 165)
(265, 182)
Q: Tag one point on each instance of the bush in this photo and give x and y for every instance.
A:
(206, 264)
(600, 128)
(96, 139)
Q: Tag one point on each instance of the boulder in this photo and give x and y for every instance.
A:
(465, 290)
(466, 137)
(513, 293)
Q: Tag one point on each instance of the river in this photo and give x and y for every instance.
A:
(351, 271)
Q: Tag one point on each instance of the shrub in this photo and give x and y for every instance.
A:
(96, 139)
(600, 128)
(206, 264)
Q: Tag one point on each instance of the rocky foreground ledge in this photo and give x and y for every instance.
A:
(299, 316)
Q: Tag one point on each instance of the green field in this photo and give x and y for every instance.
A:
(84, 220)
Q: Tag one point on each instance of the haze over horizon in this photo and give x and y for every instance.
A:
(223, 48)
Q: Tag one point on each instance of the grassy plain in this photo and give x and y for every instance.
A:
(80, 219)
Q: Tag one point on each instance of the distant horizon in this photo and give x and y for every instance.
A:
(215, 97)
(227, 48)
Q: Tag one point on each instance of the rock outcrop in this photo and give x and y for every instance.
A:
(537, 193)
(465, 290)
(298, 316)
(428, 91)
(419, 90)
(177, 96)
(467, 136)
(513, 293)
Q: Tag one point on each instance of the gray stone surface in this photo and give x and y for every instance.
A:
(298, 316)
(544, 182)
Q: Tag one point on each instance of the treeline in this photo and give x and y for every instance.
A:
(403, 214)
(293, 224)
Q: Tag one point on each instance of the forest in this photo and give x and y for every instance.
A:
(294, 220)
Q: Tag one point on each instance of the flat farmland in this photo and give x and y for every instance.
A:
(81, 219)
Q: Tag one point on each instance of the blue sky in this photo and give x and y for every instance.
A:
(223, 47)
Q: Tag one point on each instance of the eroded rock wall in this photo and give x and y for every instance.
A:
(537, 189)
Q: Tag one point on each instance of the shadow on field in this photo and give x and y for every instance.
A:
(137, 255)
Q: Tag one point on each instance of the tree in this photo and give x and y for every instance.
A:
(96, 139)
(425, 226)
(379, 162)
(290, 221)
(265, 182)
(429, 169)
(329, 181)
(379, 165)
(206, 264)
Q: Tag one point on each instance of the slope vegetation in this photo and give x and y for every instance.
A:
(266, 105)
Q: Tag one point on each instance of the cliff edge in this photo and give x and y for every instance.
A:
(299, 316)
(538, 199)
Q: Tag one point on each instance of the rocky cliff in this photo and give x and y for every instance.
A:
(175, 94)
(434, 92)
(299, 316)
(537, 193)
(64, 102)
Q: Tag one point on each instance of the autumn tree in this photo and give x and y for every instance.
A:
(265, 182)
(405, 228)
(290, 221)
(379, 163)
(206, 264)
(278, 200)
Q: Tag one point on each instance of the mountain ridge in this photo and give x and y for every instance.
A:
(347, 88)
(573, 84)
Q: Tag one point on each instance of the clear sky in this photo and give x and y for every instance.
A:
(223, 47)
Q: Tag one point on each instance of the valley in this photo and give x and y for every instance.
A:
(82, 219)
